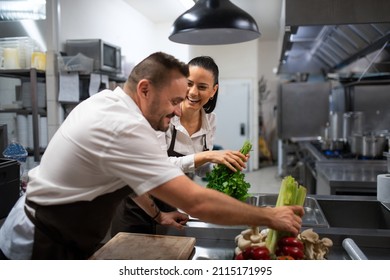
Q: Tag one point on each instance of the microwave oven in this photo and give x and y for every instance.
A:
(106, 57)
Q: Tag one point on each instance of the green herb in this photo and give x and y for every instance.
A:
(222, 179)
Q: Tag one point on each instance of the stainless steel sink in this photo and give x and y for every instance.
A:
(313, 214)
(365, 221)
(370, 214)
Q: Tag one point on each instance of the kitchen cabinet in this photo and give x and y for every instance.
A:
(33, 76)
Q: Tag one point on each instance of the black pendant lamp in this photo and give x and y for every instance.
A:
(214, 22)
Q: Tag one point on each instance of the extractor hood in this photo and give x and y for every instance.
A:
(322, 37)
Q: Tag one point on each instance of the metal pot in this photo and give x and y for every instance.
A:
(373, 146)
(332, 145)
(388, 144)
(352, 124)
(355, 143)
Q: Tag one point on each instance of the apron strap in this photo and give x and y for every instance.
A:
(171, 149)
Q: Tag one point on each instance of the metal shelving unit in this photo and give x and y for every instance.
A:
(32, 75)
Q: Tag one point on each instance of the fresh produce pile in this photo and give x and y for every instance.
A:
(271, 244)
(222, 179)
(307, 245)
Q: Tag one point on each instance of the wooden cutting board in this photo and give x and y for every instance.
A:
(134, 246)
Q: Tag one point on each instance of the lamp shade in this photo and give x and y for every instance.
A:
(214, 22)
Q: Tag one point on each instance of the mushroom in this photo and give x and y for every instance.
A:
(315, 248)
(309, 235)
(309, 239)
(327, 242)
(260, 244)
(250, 237)
(237, 251)
(247, 233)
(243, 243)
(322, 248)
(264, 232)
(255, 238)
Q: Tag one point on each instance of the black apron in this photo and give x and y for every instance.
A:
(74, 230)
(129, 217)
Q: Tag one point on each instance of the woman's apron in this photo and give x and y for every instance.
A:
(74, 230)
(130, 217)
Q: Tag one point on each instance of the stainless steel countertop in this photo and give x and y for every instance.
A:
(359, 173)
(354, 172)
(215, 242)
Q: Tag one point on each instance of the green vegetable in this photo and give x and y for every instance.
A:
(290, 193)
(222, 179)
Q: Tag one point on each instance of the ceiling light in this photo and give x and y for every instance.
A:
(22, 9)
(214, 22)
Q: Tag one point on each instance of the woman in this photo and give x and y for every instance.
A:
(190, 138)
(189, 143)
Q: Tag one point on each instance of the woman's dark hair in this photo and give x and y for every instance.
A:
(209, 64)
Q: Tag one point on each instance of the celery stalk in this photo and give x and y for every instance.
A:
(290, 193)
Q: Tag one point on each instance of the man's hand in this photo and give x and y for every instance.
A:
(175, 219)
(287, 218)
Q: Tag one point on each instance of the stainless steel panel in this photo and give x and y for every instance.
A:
(373, 101)
(330, 12)
(341, 39)
(303, 109)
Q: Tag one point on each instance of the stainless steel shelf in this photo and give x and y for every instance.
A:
(33, 75)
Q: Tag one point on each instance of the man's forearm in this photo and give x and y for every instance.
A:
(147, 204)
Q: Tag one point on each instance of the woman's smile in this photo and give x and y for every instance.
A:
(193, 100)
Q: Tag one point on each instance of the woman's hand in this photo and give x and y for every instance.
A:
(175, 219)
(234, 160)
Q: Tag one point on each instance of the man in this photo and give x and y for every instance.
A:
(106, 149)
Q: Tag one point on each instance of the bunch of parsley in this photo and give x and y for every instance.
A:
(222, 179)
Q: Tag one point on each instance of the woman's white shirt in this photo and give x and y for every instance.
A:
(190, 145)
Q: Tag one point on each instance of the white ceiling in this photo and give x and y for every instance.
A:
(267, 13)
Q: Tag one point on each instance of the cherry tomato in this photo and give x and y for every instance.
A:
(290, 241)
(248, 253)
(285, 258)
(260, 253)
(239, 257)
(294, 252)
